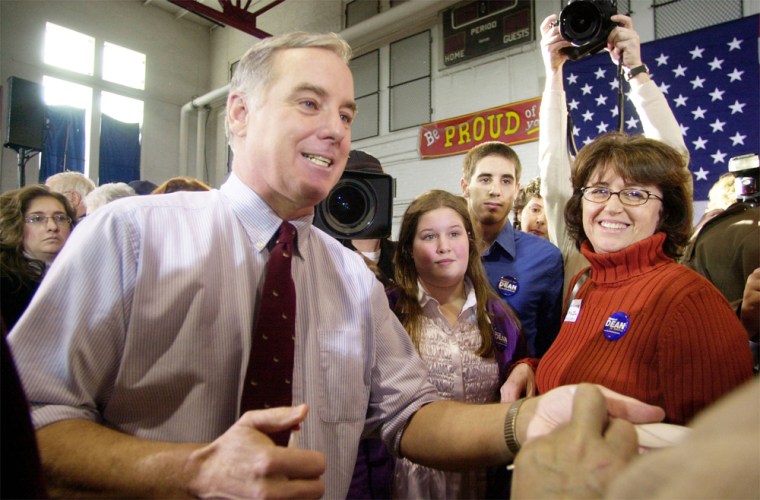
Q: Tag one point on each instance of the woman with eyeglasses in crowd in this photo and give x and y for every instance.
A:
(34, 225)
(640, 324)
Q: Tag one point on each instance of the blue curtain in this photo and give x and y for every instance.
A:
(63, 141)
(119, 151)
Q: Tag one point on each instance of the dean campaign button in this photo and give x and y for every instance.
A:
(508, 286)
(616, 326)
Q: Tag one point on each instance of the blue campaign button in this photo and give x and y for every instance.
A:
(499, 339)
(616, 326)
(508, 286)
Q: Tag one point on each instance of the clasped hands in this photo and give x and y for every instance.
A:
(245, 463)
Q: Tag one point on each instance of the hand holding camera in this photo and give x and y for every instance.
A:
(586, 24)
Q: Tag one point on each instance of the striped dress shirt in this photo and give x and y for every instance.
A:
(144, 324)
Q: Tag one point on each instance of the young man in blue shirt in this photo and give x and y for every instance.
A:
(524, 269)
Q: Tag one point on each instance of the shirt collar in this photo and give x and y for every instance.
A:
(258, 219)
(424, 298)
(506, 240)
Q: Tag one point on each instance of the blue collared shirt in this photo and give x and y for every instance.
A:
(526, 271)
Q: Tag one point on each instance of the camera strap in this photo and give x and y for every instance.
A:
(621, 94)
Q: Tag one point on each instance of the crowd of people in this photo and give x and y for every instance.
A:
(422, 366)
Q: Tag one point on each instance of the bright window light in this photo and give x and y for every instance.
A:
(123, 66)
(62, 93)
(69, 49)
(121, 108)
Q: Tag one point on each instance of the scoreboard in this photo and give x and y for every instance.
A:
(477, 28)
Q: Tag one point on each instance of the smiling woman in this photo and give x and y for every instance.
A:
(616, 162)
(34, 225)
(641, 324)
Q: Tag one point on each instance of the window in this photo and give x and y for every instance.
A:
(410, 81)
(366, 70)
(124, 109)
(360, 10)
(674, 17)
(69, 50)
(74, 80)
(123, 66)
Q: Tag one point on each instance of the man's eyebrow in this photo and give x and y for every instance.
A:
(321, 92)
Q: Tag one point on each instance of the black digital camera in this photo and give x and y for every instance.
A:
(360, 206)
(586, 24)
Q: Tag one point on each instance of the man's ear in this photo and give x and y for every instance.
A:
(74, 198)
(465, 187)
(237, 113)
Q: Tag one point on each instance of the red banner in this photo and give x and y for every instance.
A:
(514, 123)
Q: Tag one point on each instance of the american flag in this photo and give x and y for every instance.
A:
(710, 79)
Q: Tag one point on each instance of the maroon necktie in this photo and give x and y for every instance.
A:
(268, 380)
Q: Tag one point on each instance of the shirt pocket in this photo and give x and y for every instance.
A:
(343, 395)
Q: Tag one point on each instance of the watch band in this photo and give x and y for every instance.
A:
(642, 68)
(510, 431)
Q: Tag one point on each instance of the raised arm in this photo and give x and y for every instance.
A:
(553, 157)
(653, 109)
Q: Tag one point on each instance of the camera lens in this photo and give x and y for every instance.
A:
(350, 207)
(347, 204)
(580, 22)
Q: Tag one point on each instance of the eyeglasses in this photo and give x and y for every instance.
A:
(41, 220)
(630, 197)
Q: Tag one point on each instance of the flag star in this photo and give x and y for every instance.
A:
(699, 113)
(572, 79)
(737, 107)
(684, 129)
(573, 105)
(588, 116)
(734, 44)
(736, 75)
(718, 157)
(696, 52)
(613, 84)
(631, 123)
(599, 73)
(614, 111)
(664, 87)
(737, 139)
(680, 100)
(697, 82)
(601, 100)
(715, 64)
(679, 71)
(699, 143)
(717, 94)
(662, 60)
(717, 125)
(576, 130)
(587, 89)
(701, 174)
(587, 140)
(602, 127)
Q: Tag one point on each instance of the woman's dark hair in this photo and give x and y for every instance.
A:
(408, 306)
(642, 161)
(13, 206)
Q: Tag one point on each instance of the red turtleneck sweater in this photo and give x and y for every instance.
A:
(681, 348)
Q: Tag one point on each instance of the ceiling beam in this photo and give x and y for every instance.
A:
(231, 14)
